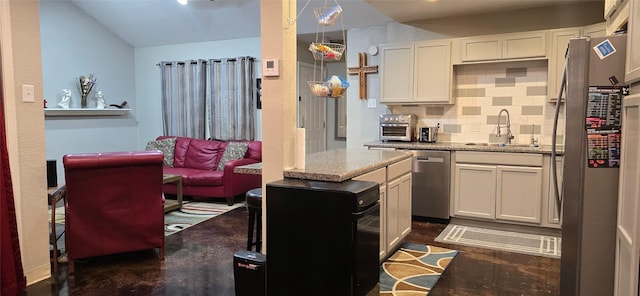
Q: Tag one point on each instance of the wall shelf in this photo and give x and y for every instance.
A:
(84, 112)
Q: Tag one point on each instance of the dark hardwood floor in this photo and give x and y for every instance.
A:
(199, 261)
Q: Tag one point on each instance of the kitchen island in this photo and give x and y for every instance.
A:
(336, 220)
(390, 169)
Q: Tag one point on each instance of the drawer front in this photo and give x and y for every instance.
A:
(499, 158)
(399, 168)
(379, 176)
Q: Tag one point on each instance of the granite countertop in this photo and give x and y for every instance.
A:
(451, 146)
(250, 169)
(339, 165)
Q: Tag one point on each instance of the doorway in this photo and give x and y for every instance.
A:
(311, 109)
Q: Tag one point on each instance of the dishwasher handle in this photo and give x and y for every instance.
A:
(429, 159)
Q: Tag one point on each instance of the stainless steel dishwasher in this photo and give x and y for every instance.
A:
(431, 172)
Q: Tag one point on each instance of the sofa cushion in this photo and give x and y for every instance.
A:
(180, 153)
(194, 177)
(255, 150)
(203, 155)
(234, 150)
(167, 146)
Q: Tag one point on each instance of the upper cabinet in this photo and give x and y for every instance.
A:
(416, 73)
(616, 13)
(633, 43)
(396, 73)
(595, 30)
(558, 47)
(432, 72)
(559, 42)
(508, 46)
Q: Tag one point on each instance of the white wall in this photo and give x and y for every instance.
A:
(148, 86)
(74, 44)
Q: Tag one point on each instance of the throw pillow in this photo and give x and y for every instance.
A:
(234, 150)
(167, 146)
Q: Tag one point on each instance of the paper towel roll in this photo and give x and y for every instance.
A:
(300, 148)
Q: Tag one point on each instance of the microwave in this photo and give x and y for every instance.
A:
(397, 127)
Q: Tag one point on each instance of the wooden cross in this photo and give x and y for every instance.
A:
(362, 70)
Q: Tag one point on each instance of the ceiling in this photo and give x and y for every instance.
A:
(145, 23)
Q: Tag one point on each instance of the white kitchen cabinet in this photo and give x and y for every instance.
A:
(616, 14)
(481, 48)
(595, 30)
(399, 209)
(475, 191)
(507, 46)
(398, 203)
(396, 73)
(432, 72)
(395, 203)
(519, 193)
(559, 42)
(416, 73)
(632, 74)
(610, 7)
(503, 187)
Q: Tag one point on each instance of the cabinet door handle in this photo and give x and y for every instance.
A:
(431, 159)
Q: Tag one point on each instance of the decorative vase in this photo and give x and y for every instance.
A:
(83, 101)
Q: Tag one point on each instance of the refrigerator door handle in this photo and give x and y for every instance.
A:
(554, 172)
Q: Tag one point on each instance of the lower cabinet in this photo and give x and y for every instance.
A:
(519, 194)
(498, 186)
(398, 210)
(475, 191)
(395, 203)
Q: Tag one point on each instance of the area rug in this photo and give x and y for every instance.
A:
(191, 214)
(414, 269)
(524, 243)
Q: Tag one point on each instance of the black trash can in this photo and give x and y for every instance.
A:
(250, 273)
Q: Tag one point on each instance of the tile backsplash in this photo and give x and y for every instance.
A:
(481, 91)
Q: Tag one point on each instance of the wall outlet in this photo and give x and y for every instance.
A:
(474, 127)
(371, 103)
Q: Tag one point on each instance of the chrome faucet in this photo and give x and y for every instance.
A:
(508, 136)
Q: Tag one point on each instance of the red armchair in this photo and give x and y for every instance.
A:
(114, 203)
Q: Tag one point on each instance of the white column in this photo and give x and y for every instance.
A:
(278, 41)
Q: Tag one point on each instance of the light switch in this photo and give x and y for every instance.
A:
(371, 103)
(27, 93)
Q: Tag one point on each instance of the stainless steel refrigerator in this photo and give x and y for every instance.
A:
(594, 78)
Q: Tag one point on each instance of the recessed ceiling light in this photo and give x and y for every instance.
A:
(183, 2)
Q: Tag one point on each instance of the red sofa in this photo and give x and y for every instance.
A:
(113, 203)
(197, 162)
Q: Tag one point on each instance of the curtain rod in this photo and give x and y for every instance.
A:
(205, 61)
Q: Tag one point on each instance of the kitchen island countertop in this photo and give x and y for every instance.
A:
(339, 165)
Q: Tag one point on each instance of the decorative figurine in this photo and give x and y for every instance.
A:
(100, 100)
(66, 99)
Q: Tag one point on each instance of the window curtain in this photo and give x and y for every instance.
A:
(183, 98)
(11, 273)
(231, 106)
